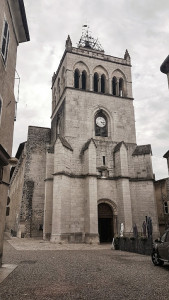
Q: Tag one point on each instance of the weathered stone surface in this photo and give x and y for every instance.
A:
(10, 13)
(74, 169)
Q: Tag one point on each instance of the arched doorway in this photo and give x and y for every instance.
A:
(105, 223)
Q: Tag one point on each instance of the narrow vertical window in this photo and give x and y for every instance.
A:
(114, 86)
(84, 80)
(103, 83)
(166, 207)
(76, 79)
(5, 41)
(96, 82)
(104, 160)
(121, 87)
(7, 207)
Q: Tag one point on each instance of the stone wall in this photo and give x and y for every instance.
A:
(32, 206)
(162, 201)
(7, 113)
(116, 171)
(15, 195)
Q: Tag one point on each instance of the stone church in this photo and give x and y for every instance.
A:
(86, 176)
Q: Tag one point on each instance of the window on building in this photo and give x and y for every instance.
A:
(104, 160)
(5, 41)
(96, 82)
(101, 126)
(121, 84)
(84, 76)
(114, 86)
(8, 200)
(7, 211)
(7, 207)
(76, 79)
(166, 207)
(103, 83)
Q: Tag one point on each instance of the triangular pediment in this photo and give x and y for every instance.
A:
(87, 144)
(119, 145)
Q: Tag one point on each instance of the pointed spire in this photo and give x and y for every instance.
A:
(127, 56)
(68, 44)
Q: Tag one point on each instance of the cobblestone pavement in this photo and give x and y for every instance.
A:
(80, 272)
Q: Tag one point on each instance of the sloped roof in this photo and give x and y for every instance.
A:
(142, 150)
(20, 149)
(86, 145)
(65, 143)
(118, 146)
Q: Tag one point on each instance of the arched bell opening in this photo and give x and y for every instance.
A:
(76, 79)
(96, 82)
(105, 223)
(84, 79)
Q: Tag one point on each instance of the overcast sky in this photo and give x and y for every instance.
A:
(141, 26)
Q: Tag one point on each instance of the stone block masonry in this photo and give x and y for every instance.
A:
(87, 176)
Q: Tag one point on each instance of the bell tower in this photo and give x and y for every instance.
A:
(93, 160)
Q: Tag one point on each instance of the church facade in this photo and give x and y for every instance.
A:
(86, 177)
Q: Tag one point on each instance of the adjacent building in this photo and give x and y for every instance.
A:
(13, 30)
(162, 199)
(85, 178)
(162, 185)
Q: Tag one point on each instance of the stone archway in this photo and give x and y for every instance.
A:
(105, 223)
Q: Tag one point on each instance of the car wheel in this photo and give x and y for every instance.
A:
(156, 260)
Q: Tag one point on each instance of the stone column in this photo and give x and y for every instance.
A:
(115, 225)
(117, 87)
(124, 205)
(61, 214)
(91, 211)
(99, 84)
(123, 188)
(91, 87)
(80, 80)
(56, 213)
(110, 86)
(91, 224)
(48, 205)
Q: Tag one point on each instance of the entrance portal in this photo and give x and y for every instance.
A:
(105, 223)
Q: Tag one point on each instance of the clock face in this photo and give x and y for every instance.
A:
(100, 121)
